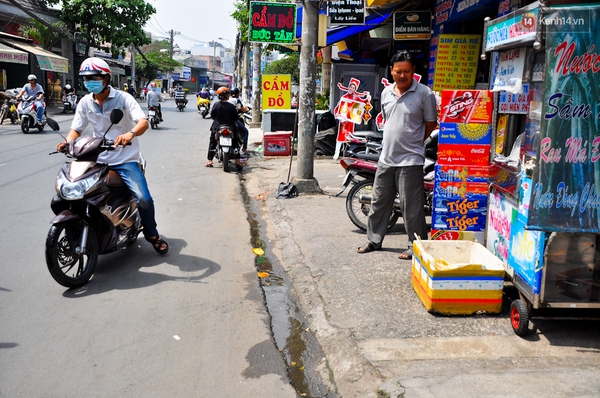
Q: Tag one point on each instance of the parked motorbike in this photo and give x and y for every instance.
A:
(358, 201)
(28, 112)
(153, 117)
(9, 108)
(203, 106)
(95, 211)
(69, 102)
(363, 142)
(228, 146)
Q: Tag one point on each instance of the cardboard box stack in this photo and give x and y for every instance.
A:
(462, 171)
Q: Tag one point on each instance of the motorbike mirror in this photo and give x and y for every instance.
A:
(115, 116)
(53, 124)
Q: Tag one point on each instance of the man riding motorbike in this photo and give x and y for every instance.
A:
(154, 99)
(223, 112)
(95, 108)
(35, 90)
(66, 92)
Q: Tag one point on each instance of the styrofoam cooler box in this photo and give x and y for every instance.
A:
(277, 143)
(457, 277)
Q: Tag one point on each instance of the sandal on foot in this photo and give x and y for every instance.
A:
(367, 247)
(406, 255)
(208, 164)
(157, 242)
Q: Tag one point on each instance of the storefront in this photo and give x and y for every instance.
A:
(51, 69)
(12, 61)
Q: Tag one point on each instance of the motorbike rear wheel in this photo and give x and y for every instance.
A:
(66, 266)
(3, 114)
(226, 162)
(359, 212)
(152, 124)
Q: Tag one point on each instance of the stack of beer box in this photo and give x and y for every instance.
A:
(462, 171)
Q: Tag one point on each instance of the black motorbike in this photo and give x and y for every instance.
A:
(153, 116)
(9, 110)
(95, 211)
(228, 146)
(180, 100)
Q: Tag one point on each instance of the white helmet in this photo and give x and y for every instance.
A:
(94, 66)
(68, 87)
(152, 84)
(31, 77)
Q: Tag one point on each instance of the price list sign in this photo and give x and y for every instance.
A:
(456, 64)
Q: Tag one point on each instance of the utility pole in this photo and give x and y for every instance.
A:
(256, 114)
(304, 179)
(172, 34)
(132, 66)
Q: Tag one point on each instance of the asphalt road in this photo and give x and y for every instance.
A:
(189, 324)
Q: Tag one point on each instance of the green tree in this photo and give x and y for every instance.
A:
(289, 65)
(118, 22)
(159, 61)
(46, 36)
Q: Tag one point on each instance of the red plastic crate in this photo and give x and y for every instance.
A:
(277, 143)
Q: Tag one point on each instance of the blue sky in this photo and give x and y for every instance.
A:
(197, 20)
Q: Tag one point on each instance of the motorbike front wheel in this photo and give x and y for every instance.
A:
(25, 125)
(359, 212)
(66, 266)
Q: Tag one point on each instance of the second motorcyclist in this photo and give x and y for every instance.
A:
(154, 99)
(32, 89)
(95, 108)
(223, 112)
(241, 109)
(66, 93)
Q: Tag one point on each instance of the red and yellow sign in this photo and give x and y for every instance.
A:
(456, 63)
(276, 91)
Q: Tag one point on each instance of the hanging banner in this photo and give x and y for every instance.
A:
(276, 91)
(272, 22)
(566, 192)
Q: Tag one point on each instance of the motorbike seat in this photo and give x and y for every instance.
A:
(114, 180)
(370, 135)
(371, 156)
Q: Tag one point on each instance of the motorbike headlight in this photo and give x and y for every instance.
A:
(76, 190)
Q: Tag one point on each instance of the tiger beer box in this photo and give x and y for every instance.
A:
(457, 277)
(463, 154)
(465, 133)
(459, 196)
(466, 106)
(473, 236)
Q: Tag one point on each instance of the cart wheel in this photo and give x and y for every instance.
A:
(519, 317)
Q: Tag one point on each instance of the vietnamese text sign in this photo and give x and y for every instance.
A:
(456, 63)
(276, 91)
(566, 191)
(346, 12)
(509, 74)
(272, 22)
(412, 25)
(514, 103)
(521, 27)
(15, 57)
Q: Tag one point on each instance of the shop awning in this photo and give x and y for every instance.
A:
(12, 56)
(47, 60)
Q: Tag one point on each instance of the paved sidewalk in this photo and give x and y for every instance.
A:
(376, 334)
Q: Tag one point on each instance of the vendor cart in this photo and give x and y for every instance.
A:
(543, 217)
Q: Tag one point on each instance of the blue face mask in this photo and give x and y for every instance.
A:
(94, 86)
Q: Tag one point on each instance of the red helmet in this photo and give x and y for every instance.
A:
(152, 84)
(94, 66)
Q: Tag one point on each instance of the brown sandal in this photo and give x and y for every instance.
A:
(367, 247)
(157, 242)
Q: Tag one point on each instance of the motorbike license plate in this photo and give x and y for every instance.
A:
(151, 113)
(225, 141)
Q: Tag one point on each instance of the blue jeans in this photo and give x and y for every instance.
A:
(244, 133)
(40, 110)
(136, 182)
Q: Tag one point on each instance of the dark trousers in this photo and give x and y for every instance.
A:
(407, 182)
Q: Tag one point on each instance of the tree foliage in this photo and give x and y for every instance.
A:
(41, 33)
(118, 22)
(159, 62)
(289, 65)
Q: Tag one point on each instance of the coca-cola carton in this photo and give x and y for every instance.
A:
(463, 154)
